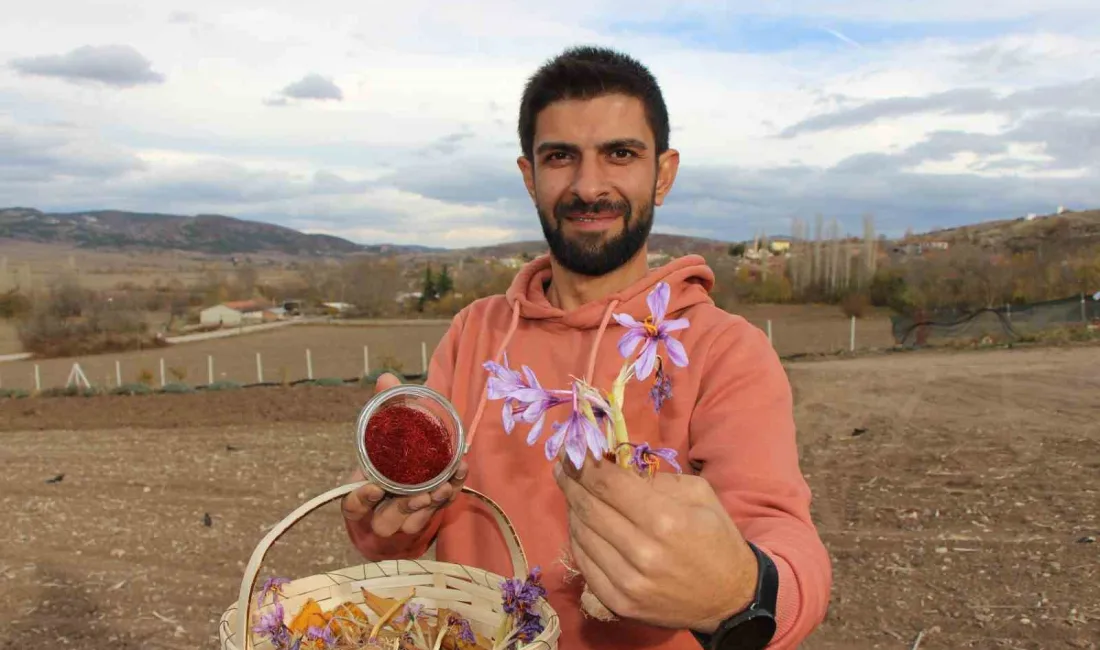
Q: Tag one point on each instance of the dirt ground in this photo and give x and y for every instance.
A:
(953, 491)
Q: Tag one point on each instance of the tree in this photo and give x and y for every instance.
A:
(428, 290)
(443, 283)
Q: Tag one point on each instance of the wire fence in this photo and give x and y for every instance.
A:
(1012, 322)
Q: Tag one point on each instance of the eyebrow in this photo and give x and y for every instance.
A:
(619, 143)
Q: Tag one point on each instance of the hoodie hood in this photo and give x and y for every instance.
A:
(688, 277)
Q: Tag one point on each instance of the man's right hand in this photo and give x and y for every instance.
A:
(391, 514)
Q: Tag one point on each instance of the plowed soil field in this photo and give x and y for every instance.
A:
(956, 491)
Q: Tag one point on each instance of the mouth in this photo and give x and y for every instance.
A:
(589, 218)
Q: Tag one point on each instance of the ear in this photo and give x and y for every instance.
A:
(527, 168)
(667, 166)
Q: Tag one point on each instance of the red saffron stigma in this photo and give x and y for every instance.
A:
(406, 445)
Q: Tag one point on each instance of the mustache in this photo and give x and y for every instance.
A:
(582, 207)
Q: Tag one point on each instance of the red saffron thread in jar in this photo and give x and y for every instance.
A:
(407, 445)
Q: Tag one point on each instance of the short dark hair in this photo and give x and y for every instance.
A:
(587, 72)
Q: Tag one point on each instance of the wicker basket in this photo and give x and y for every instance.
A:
(468, 591)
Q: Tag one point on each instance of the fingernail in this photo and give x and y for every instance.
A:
(375, 497)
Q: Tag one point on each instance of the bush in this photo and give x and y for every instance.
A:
(132, 389)
(76, 322)
(855, 304)
(224, 385)
(14, 305)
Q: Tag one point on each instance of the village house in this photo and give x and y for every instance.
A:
(240, 312)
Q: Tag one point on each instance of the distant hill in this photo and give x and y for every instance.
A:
(205, 233)
(1066, 230)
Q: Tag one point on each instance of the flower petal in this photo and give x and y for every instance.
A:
(676, 352)
(658, 302)
(528, 395)
(536, 430)
(630, 340)
(646, 360)
(626, 320)
(507, 417)
(673, 325)
(532, 380)
(553, 443)
(596, 440)
(575, 446)
(669, 455)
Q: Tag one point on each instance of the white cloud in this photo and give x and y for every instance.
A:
(424, 133)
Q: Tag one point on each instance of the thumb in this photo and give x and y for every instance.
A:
(386, 381)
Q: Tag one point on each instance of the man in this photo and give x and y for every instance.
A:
(724, 555)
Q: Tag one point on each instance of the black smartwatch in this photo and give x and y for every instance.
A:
(753, 627)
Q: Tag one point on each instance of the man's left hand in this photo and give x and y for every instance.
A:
(659, 550)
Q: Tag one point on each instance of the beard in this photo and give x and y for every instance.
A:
(589, 254)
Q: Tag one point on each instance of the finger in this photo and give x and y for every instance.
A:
(614, 527)
(597, 580)
(461, 471)
(390, 515)
(386, 381)
(609, 558)
(615, 486)
(361, 502)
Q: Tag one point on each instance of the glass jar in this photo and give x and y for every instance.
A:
(427, 402)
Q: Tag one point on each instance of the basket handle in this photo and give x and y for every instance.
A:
(248, 584)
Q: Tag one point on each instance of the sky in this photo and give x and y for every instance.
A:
(396, 122)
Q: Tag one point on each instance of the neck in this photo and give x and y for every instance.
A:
(569, 290)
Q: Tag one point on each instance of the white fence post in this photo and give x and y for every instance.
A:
(118, 372)
(259, 369)
(424, 357)
(162, 379)
(366, 362)
(770, 331)
(852, 336)
(37, 379)
(309, 365)
(209, 369)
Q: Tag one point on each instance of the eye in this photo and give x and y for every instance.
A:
(622, 154)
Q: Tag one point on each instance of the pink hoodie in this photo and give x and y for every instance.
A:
(730, 419)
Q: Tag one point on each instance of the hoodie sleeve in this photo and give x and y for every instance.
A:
(743, 436)
(402, 546)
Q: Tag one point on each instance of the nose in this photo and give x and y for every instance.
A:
(589, 180)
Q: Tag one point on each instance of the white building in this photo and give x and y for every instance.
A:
(233, 313)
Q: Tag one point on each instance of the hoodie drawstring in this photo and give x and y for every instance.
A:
(599, 336)
(512, 326)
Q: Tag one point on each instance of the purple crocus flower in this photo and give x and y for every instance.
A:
(523, 397)
(578, 434)
(661, 390)
(465, 632)
(324, 634)
(647, 459)
(411, 612)
(271, 626)
(273, 586)
(651, 332)
(520, 596)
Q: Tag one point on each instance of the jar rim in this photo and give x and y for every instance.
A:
(371, 407)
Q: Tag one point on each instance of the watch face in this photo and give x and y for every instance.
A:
(753, 633)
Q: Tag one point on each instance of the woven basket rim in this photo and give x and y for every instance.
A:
(234, 627)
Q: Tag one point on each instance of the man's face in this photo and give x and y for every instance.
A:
(595, 180)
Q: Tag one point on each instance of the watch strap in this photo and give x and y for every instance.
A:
(763, 606)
